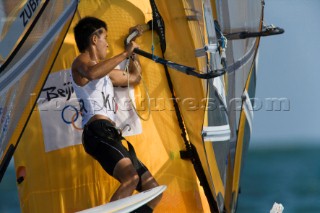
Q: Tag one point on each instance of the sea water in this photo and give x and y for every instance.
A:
(9, 200)
(289, 175)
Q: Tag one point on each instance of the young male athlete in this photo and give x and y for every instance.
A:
(93, 79)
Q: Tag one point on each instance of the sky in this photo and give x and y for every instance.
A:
(288, 70)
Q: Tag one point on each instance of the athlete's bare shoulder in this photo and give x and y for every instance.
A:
(80, 61)
(79, 69)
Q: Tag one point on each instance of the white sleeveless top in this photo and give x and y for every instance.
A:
(96, 98)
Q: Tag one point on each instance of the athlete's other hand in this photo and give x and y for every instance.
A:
(131, 46)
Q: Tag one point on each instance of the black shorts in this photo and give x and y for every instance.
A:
(104, 143)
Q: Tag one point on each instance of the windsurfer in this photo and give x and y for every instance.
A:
(93, 79)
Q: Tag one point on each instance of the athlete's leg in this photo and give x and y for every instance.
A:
(148, 182)
(126, 174)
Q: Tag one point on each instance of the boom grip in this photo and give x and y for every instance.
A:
(145, 27)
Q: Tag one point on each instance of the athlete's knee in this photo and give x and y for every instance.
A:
(148, 181)
(131, 181)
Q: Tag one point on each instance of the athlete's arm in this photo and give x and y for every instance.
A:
(85, 70)
(120, 77)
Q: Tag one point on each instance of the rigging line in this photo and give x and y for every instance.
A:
(145, 89)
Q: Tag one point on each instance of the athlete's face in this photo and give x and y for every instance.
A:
(102, 44)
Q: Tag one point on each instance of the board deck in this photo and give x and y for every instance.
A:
(128, 204)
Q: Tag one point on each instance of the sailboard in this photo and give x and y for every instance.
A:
(199, 128)
(127, 204)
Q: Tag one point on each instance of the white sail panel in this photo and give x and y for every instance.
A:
(16, 17)
(237, 18)
(24, 72)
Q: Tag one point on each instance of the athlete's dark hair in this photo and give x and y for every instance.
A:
(84, 29)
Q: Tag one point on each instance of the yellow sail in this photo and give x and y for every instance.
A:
(67, 179)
